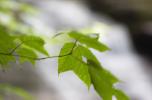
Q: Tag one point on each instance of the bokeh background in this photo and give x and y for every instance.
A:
(124, 25)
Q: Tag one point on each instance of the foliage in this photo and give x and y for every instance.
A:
(74, 56)
(86, 66)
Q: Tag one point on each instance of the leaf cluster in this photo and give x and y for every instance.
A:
(22, 47)
(74, 56)
(87, 67)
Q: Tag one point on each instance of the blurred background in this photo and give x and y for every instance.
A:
(124, 25)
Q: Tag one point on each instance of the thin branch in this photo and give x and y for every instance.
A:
(11, 54)
(56, 35)
(8, 54)
(71, 51)
(33, 57)
(73, 46)
(53, 57)
(13, 50)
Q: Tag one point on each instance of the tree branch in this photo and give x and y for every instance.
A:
(56, 35)
(11, 53)
(13, 50)
(61, 55)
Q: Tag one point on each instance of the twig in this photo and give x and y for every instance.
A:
(53, 57)
(56, 35)
(11, 53)
(73, 46)
(70, 53)
(13, 50)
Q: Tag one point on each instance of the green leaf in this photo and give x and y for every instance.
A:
(85, 52)
(102, 81)
(6, 41)
(120, 95)
(103, 72)
(34, 42)
(5, 59)
(73, 62)
(6, 45)
(15, 90)
(28, 55)
(89, 41)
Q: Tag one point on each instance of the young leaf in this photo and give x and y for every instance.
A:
(103, 82)
(103, 88)
(72, 63)
(92, 60)
(90, 42)
(120, 95)
(5, 59)
(6, 41)
(34, 42)
(103, 72)
(28, 53)
(85, 52)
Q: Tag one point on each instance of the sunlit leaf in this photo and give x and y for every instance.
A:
(6, 41)
(73, 63)
(102, 80)
(34, 42)
(120, 95)
(28, 55)
(5, 59)
(89, 41)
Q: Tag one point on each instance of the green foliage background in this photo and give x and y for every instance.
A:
(74, 56)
